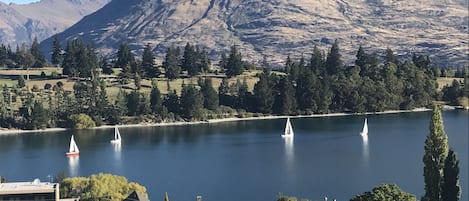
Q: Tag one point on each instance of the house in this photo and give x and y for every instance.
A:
(36, 190)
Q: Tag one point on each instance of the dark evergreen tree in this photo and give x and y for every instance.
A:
(133, 103)
(334, 64)
(189, 60)
(211, 101)
(203, 61)
(234, 65)
(125, 59)
(224, 93)
(450, 188)
(57, 51)
(120, 104)
(287, 97)
(39, 58)
(39, 116)
(172, 102)
(21, 82)
(148, 63)
(263, 94)
(191, 102)
(170, 64)
(317, 62)
(156, 101)
(288, 65)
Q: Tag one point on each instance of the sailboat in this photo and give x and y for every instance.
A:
(73, 150)
(117, 136)
(365, 128)
(288, 129)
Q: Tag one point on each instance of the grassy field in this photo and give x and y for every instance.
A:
(443, 81)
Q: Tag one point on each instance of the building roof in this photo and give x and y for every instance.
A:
(136, 196)
(27, 187)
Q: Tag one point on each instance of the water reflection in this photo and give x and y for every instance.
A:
(117, 151)
(73, 165)
(366, 152)
(289, 149)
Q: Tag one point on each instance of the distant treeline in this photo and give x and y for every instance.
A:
(320, 83)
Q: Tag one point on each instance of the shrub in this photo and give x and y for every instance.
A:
(80, 121)
(47, 86)
(43, 75)
(60, 84)
(35, 88)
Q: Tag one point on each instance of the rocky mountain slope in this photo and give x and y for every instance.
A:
(279, 27)
(21, 23)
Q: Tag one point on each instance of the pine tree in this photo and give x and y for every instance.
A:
(450, 188)
(39, 58)
(334, 64)
(287, 97)
(148, 63)
(57, 51)
(234, 65)
(191, 102)
(39, 116)
(263, 94)
(436, 151)
(21, 82)
(317, 62)
(188, 60)
(172, 102)
(288, 65)
(170, 64)
(156, 102)
(211, 101)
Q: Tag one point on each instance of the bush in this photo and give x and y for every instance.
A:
(47, 86)
(43, 75)
(80, 121)
(60, 84)
(35, 88)
(463, 101)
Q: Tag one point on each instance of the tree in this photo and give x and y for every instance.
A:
(39, 58)
(385, 192)
(334, 63)
(21, 82)
(450, 188)
(436, 151)
(80, 121)
(191, 102)
(287, 97)
(234, 65)
(188, 60)
(211, 100)
(39, 116)
(125, 59)
(171, 64)
(263, 94)
(133, 103)
(148, 63)
(99, 187)
(172, 102)
(156, 102)
(57, 51)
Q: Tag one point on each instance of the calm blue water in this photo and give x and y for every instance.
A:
(247, 160)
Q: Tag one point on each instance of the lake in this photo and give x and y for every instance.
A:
(247, 160)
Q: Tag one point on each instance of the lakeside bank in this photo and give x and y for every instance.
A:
(211, 121)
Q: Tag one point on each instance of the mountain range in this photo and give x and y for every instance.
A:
(276, 28)
(20, 23)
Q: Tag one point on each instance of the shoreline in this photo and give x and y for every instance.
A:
(214, 121)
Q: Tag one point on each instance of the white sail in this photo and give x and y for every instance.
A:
(73, 146)
(365, 128)
(288, 129)
(117, 136)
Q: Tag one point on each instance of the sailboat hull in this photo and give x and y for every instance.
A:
(116, 141)
(70, 154)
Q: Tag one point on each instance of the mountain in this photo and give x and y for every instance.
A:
(21, 23)
(276, 28)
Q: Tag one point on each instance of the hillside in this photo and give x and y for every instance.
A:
(21, 23)
(280, 27)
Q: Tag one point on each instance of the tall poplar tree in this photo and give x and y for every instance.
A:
(450, 189)
(436, 151)
(57, 51)
(148, 63)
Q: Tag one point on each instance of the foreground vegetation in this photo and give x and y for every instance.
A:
(92, 91)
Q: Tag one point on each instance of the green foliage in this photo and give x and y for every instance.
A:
(148, 63)
(39, 116)
(211, 101)
(234, 64)
(263, 94)
(156, 101)
(39, 58)
(436, 151)
(99, 187)
(57, 51)
(80, 60)
(450, 188)
(191, 102)
(454, 92)
(385, 192)
(334, 64)
(171, 63)
(81, 121)
(21, 82)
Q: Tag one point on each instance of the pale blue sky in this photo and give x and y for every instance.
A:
(18, 1)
